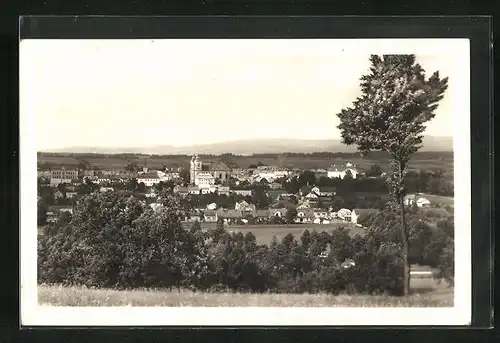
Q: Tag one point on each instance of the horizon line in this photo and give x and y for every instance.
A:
(204, 144)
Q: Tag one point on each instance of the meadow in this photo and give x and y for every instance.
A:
(425, 293)
(265, 233)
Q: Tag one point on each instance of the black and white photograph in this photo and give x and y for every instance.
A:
(245, 182)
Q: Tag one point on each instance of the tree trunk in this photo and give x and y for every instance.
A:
(404, 235)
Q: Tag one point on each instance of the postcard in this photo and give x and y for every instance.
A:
(245, 182)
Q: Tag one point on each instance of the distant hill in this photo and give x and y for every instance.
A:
(248, 147)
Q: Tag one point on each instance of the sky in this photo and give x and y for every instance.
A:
(132, 93)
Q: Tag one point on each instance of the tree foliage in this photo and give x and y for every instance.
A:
(396, 102)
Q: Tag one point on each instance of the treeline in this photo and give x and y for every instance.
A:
(422, 181)
(116, 242)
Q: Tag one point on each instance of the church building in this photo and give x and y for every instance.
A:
(205, 174)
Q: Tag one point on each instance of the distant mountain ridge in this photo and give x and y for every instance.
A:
(251, 146)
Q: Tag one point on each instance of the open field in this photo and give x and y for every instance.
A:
(441, 296)
(421, 160)
(264, 233)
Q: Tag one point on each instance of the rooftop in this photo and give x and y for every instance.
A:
(219, 166)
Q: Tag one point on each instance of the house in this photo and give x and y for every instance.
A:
(341, 171)
(58, 176)
(193, 190)
(150, 194)
(274, 194)
(275, 185)
(415, 199)
(320, 213)
(325, 194)
(242, 178)
(304, 190)
(348, 263)
(315, 190)
(180, 190)
(321, 173)
(193, 217)
(243, 192)
(206, 190)
(101, 178)
(361, 213)
(304, 216)
(43, 174)
(71, 195)
(106, 189)
(344, 214)
(204, 180)
(210, 216)
(278, 212)
(229, 215)
(156, 206)
(235, 172)
(53, 212)
(244, 206)
(269, 177)
(149, 178)
(212, 206)
(423, 202)
(222, 190)
(312, 195)
(58, 195)
(304, 205)
(261, 214)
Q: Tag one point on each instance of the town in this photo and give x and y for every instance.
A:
(260, 194)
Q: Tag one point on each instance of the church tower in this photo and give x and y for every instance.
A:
(191, 170)
(194, 169)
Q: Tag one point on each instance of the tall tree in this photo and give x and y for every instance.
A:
(291, 214)
(184, 175)
(390, 115)
(307, 177)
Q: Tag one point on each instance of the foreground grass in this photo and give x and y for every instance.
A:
(76, 296)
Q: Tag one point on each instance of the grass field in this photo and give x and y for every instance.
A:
(423, 296)
(264, 233)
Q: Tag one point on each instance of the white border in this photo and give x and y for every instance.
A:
(33, 315)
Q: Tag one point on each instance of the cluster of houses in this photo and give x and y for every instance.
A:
(245, 213)
(211, 177)
(75, 177)
(305, 204)
(203, 176)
